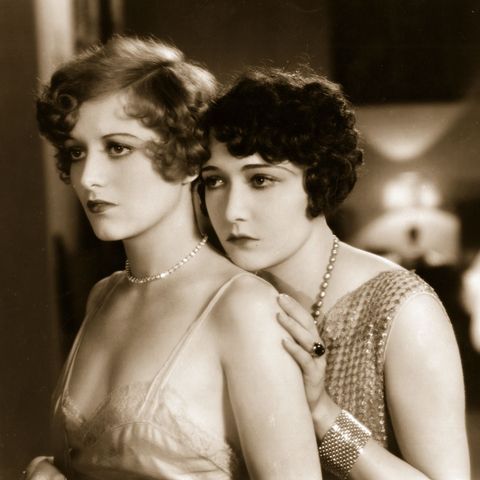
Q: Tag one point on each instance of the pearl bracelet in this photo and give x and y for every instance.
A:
(342, 444)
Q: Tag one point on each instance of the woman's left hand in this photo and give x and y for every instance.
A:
(42, 468)
(299, 323)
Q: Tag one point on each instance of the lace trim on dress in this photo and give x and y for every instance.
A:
(173, 410)
(167, 413)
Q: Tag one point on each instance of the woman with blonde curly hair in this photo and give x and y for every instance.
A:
(178, 369)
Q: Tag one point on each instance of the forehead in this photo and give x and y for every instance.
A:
(221, 158)
(219, 155)
(106, 115)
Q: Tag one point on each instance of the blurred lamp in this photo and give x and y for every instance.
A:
(410, 190)
(402, 132)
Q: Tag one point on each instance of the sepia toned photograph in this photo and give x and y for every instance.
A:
(241, 240)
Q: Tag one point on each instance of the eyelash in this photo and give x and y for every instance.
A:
(212, 181)
(71, 151)
(268, 180)
(125, 149)
(109, 148)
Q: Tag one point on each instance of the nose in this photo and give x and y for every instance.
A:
(91, 172)
(236, 204)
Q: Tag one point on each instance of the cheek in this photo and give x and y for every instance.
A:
(75, 175)
(285, 207)
(141, 186)
(286, 210)
(213, 204)
(79, 192)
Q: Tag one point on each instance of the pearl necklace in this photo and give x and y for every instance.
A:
(150, 278)
(317, 305)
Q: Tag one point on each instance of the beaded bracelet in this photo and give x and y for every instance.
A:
(342, 444)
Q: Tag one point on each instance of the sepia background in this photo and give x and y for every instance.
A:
(410, 67)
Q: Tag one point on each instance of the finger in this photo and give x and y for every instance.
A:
(302, 336)
(294, 310)
(31, 468)
(305, 361)
(42, 468)
(46, 474)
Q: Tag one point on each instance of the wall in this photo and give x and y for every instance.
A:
(28, 341)
(227, 36)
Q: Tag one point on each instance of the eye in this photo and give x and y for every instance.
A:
(262, 181)
(118, 149)
(75, 153)
(212, 182)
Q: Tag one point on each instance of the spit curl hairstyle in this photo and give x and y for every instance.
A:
(301, 117)
(165, 92)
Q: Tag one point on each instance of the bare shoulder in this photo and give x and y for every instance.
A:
(422, 311)
(100, 288)
(247, 308)
(247, 294)
(366, 265)
(421, 329)
(354, 267)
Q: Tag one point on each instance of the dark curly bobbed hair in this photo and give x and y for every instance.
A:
(297, 116)
(165, 92)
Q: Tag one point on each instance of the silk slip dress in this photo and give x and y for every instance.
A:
(143, 430)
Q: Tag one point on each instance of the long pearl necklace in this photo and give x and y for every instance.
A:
(317, 305)
(150, 278)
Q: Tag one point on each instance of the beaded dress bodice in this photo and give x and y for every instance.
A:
(356, 331)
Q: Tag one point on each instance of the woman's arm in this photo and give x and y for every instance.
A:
(264, 385)
(425, 394)
(425, 391)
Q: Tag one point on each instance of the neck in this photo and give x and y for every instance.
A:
(301, 274)
(164, 244)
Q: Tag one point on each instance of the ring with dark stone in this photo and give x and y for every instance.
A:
(317, 350)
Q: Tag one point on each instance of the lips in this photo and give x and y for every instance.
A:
(241, 240)
(99, 206)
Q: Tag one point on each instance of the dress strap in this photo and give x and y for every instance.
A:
(99, 299)
(163, 375)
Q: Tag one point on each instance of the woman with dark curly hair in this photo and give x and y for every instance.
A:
(178, 369)
(380, 362)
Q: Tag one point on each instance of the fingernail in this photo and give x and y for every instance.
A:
(282, 317)
(283, 297)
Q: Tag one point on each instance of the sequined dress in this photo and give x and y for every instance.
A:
(356, 331)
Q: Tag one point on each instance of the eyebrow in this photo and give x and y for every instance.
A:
(250, 166)
(121, 134)
(110, 135)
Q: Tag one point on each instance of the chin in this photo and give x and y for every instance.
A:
(108, 235)
(249, 263)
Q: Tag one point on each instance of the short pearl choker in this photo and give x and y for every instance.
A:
(150, 278)
(326, 277)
